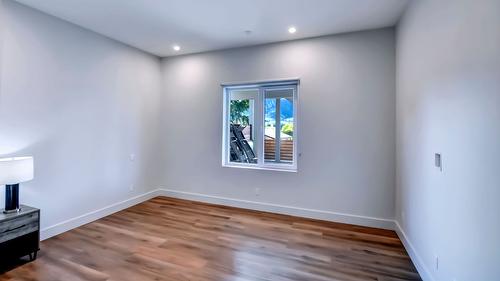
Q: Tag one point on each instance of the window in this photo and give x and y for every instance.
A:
(260, 125)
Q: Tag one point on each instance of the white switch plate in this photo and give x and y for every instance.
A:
(438, 161)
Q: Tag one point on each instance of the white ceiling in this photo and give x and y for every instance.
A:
(202, 25)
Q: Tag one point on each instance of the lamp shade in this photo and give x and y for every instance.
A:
(15, 170)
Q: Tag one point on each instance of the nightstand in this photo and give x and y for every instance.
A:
(20, 233)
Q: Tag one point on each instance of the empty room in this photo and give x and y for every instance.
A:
(249, 140)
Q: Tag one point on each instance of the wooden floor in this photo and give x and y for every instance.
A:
(171, 239)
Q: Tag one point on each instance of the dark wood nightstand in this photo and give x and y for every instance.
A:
(20, 233)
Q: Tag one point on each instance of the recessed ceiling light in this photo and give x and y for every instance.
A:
(292, 29)
(176, 48)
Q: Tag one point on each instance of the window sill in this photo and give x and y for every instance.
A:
(265, 168)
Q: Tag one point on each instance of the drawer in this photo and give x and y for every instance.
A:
(19, 226)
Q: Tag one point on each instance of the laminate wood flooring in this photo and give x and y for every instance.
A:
(178, 240)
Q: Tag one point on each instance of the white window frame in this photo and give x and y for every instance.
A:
(292, 83)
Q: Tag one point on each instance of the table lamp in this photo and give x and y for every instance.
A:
(12, 172)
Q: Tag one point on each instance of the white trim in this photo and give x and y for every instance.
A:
(277, 81)
(260, 206)
(259, 142)
(225, 128)
(72, 223)
(268, 167)
(415, 257)
(282, 209)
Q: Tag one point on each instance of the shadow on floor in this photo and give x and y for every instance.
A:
(8, 265)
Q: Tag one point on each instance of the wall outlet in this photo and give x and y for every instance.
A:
(132, 187)
(132, 157)
(257, 191)
(403, 216)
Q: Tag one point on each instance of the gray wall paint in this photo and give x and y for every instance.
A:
(346, 123)
(1, 41)
(80, 104)
(448, 101)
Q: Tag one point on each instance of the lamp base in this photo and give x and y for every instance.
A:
(11, 199)
(12, 211)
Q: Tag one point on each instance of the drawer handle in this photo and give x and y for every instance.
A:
(8, 230)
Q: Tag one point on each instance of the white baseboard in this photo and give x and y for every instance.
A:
(281, 209)
(95, 215)
(415, 257)
(259, 206)
(72, 223)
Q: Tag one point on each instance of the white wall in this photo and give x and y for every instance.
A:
(80, 104)
(346, 123)
(448, 101)
(1, 40)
